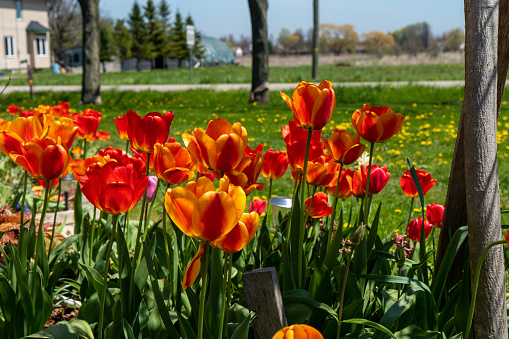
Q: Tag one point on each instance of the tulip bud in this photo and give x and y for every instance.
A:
(358, 234)
(399, 256)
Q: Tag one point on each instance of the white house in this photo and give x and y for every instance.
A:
(24, 34)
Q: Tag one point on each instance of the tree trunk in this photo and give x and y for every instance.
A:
(503, 50)
(260, 68)
(481, 173)
(316, 27)
(455, 214)
(91, 83)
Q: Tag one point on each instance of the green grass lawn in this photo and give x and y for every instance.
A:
(240, 74)
(427, 138)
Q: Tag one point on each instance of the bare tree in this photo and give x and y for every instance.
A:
(260, 68)
(91, 86)
(65, 22)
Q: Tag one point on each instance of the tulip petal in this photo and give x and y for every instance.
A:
(193, 269)
(180, 203)
(214, 215)
(116, 198)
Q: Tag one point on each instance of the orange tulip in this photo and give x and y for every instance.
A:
(44, 159)
(319, 206)
(345, 185)
(297, 151)
(274, 164)
(145, 132)
(102, 135)
(247, 172)
(344, 148)
(240, 235)
(122, 125)
(173, 163)
(298, 332)
(312, 105)
(115, 187)
(220, 147)
(87, 123)
(377, 124)
(204, 213)
(323, 175)
(293, 133)
(63, 128)
(408, 185)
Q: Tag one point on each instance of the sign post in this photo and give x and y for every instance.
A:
(190, 45)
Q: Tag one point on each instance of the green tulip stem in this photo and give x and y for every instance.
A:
(366, 200)
(22, 232)
(127, 146)
(85, 144)
(410, 212)
(147, 215)
(270, 195)
(476, 284)
(223, 301)
(91, 237)
(229, 289)
(137, 252)
(55, 218)
(306, 215)
(105, 275)
(334, 207)
(343, 287)
(40, 235)
(166, 247)
(303, 212)
(204, 277)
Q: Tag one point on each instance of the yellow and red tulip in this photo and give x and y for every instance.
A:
(377, 124)
(173, 163)
(312, 105)
(344, 148)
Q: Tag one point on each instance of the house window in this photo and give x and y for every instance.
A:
(9, 46)
(19, 9)
(40, 41)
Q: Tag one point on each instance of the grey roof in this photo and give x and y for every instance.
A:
(35, 26)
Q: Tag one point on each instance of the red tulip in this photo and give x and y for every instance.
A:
(115, 187)
(87, 123)
(506, 237)
(292, 133)
(344, 148)
(274, 164)
(319, 207)
(258, 206)
(122, 125)
(435, 214)
(414, 229)
(145, 132)
(296, 155)
(13, 109)
(377, 124)
(408, 185)
(102, 135)
(312, 105)
(378, 179)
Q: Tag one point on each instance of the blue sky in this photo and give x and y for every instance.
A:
(221, 17)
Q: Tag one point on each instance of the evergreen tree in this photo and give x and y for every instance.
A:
(138, 34)
(178, 49)
(198, 50)
(122, 42)
(153, 30)
(163, 39)
(106, 40)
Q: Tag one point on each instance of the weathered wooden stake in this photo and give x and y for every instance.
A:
(264, 298)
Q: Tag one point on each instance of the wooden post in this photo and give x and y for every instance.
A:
(264, 298)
